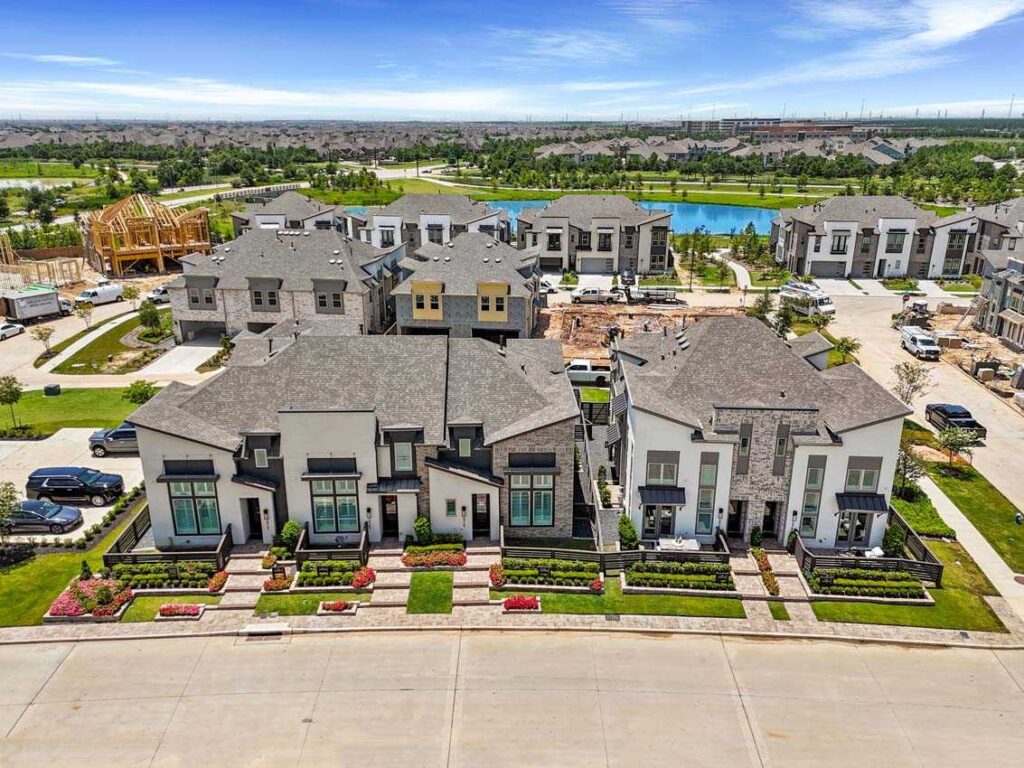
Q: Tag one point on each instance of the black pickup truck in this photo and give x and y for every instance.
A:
(944, 415)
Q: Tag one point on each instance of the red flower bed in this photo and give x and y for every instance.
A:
(99, 597)
(217, 581)
(335, 606)
(496, 573)
(434, 559)
(597, 585)
(276, 585)
(771, 583)
(180, 609)
(521, 603)
(364, 577)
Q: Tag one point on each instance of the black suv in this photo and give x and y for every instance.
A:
(62, 484)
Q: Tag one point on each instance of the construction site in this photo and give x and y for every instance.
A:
(17, 272)
(138, 235)
(586, 331)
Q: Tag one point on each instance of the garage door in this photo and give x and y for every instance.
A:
(828, 268)
(551, 263)
(596, 266)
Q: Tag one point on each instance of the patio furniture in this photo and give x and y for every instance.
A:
(678, 544)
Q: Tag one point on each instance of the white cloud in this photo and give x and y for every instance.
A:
(662, 15)
(585, 46)
(64, 58)
(598, 86)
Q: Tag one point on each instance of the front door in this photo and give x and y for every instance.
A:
(252, 511)
(659, 520)
(854, 529)
(389, 517)
(770, 523)
(881, 268)
(734, 523)
(481, 516)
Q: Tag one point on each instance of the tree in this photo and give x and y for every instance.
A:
(956, 442)
(83, 312)
(43, 333)
(149, 316)
(847, 346)
(131, 293)
(10, 393)
(821, 322)
(909, 468)
(5, 206)
(763, 306)
(9, 505)
(139, 392)
(913, 379)
(784, 319)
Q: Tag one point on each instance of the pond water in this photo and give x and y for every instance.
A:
(719, 219)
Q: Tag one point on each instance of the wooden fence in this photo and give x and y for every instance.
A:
(304, 552)
(121, 551)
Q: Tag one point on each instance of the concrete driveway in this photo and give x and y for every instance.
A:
(68, 447)
(603, 282)
(507, 699)
(183, 358)
(868, 318)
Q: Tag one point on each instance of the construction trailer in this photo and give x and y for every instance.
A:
(138, 234)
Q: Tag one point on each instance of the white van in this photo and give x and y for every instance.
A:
(104, 293)
(918, 342)
(807, 302)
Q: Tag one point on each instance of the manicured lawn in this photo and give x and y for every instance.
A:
(431, 592)
(613, 602)
(967, 284)
(595, 394)
(760, 278)
(670, 281)
(352, 197)
(802, 326)
(100, 408)
(901, 285)
(990, 512)
(93, 358)
(918, 435)
(958, 605)
(305, 604)
(920, 513)
(56, 349)
(779, 612)
(28, 588)
(145, 608)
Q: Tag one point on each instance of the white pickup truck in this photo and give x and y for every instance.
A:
(586, 372)
(918, 342)
(593, 296)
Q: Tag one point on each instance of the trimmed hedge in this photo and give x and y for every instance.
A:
(327, 573)
(861, 582)
(670, 574)
(555, 578)
(670, 566)
(523, 564)
(191, 574)
(424, 549)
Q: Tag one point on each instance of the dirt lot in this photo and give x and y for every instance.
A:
(583, 330)
(978, 345)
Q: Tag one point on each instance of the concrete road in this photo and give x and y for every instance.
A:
(531, 699)
(999, 459)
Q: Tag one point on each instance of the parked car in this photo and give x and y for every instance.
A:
(593, 296)
(10, 329)
(945, 415)
(546, 286)
(158, 296)
(585, 372)
(919, 342)
(104, 293)
(43, 515)
(627, 277)
(121, 439)
(74, 484)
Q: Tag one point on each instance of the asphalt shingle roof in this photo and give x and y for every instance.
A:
(291, 205)
(866, 210)
(472, 258)
(582, 209)
(461, 209)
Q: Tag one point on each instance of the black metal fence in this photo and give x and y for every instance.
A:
(121, 551)
(304, 552)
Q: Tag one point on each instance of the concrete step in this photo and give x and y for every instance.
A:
(238, 600)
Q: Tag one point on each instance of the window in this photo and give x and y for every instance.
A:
(780, 446)
(894, 242)
(533, 237)
(839, 243)
(531, 500)
(259, 457)
(449, 507)
(661, 474)
(1011, 244)
(812, 499)
(485, 303)
(435, 233)
(864, 480)
(584, 241)
(465, 447)
(554, 241)
(328, 301)
(705, 510)
(817, 245)
(387, 236)
(499, 303)
(922, 241)
(744, 445)
(193, 297)
(629, 240)
(708, 474)
(435, 301)
(208, 297)
(335, 506)
(271, 298)
(865, 244)
(403, 457)
(257, 298)
(421, 301)
(604, 241)
(194, 508)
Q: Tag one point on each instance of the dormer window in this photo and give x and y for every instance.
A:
(387, 236)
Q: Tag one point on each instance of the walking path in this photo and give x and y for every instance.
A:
(743, 281)
(86, 340)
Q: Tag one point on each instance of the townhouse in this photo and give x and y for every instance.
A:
(872, 237)
(270, 276)
(289, 210)
(1000, 249)
(342, 433)
(597, 234)
(723, 426)
(475, 286)
(414, 220)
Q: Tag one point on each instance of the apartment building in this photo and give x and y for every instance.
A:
(1001, 302)
(872, 237)
(268, 276)
(597, 234)
(414, 220)
(723, 426)
(475, 287)
(340, 433)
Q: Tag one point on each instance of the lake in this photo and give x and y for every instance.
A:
(719, 219)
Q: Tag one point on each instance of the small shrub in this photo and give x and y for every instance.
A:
(86, 572)
(496, 574)
(756, 536)
(596, 585)
(424, 533)
(893, 541)
(276, 585)
(628, 538)
(335, 606)
(268, 560)
(521, 603)
(364, 577)
(179, 609)
(217, 581)
(289, 536)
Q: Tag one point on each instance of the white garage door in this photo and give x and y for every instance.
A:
(596, 266)
(828, 268)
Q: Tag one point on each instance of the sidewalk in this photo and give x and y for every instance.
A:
(743, 282)
(86, 341)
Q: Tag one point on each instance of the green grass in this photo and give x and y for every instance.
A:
(305, 603)
(56, 349)
(967, 284)
(352, 197)
(31, 169)
(921, 515)
(670, 281)
(958, 605)
(708, 275)
(145, 608)
(901, 284)
(93, 357)
(767, 278)
(431, 592)
(595, 394)
(779, 612)
(987, 509)
(614, 602)
(802, 326)
(28, 588)
(100, 408)
(918, 434)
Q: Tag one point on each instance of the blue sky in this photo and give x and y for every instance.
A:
(368, 59)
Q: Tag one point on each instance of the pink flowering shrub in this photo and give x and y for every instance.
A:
(335, 606)
(521, 603)
(180, 609)
(99, 597)
(364, 577)
(596, 585)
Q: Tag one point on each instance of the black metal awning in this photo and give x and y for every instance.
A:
(862, 502)
(255, 482)
(394, 485)
(655, 494)
(613, 435)
(619, 403)
(198, 478)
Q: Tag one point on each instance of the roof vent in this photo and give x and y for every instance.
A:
(437, 258)
(490, 245)
(447, 258)
(331, 261)
(227, 247)
(782, 394)
(451, 244)
(497, 260)
(486, 259)
(305, 234)
(335, 251)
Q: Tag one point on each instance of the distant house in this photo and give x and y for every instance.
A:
(597, 234)
(414, 220)
(473, 287)
(290, 210)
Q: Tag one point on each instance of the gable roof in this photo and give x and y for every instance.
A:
(582, 209)
(461, 209)
(291, 205)
(865, 210)
(471, 258)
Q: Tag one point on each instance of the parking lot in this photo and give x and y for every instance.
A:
(67, 448)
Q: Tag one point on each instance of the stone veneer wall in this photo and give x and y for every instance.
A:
(424, 452)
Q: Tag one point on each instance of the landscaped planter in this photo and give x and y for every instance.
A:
(527, 574)
(440, 557)
(85, 618)
(294, 581)
(628, 590)
(505, 606)
(177, 592)
(350, 609)
(184, 616)
(79, 601)
(813, 596)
